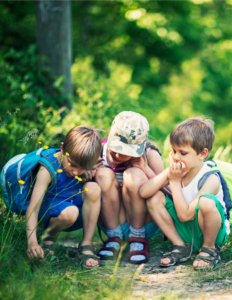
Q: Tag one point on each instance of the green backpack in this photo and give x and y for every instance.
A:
(224, 170)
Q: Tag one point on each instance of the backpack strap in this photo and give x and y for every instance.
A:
(48, 164)
(226, 195)
(201, 182)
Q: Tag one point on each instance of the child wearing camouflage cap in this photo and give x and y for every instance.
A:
(130, 161)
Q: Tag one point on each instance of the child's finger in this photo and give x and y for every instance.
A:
(28, 253)
(35, 253)
(183, 165)
(102, 166)
(41, 253)
(98, 165)
(91, 175)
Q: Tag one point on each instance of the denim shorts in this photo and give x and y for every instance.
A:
(53, 210)
(151, 230)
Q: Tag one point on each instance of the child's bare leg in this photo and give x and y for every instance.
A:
(136, 210)
(112, 211)
(65, 220)
(110, 207)
(209, 220)
(135, 206)
(156, 207)
(90, 213)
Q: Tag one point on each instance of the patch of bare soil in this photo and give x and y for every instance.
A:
(178, 282)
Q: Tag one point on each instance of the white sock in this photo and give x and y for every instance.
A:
(117, 232)
(137, 246)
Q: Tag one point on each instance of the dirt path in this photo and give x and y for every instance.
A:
(178, 282)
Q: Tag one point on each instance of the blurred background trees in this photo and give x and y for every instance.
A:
(166, 60)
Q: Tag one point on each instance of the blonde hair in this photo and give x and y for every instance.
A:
(83, 145)
(197, 132)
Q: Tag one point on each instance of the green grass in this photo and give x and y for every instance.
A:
(61, 277)
(55, 277)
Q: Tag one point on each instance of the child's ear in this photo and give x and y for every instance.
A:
(61, 147)
(204, 153)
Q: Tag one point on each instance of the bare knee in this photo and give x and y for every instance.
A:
(157, 200)
(133, 178)
(207, 205)
(91, 191)
(69, 215)
(105, 177)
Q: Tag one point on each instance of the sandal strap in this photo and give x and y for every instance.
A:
(135, 252)
(184, 252)
(138, 252)
(50, 239)
(138, 240)
(85, 257)
(172, 256)
(210, 251)
(86, 247)
(109, 249)
(48, 247)
(114, 239)
(213, 260)
(112, 249)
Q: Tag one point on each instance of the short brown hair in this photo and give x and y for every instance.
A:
(197, 132)
(83, 145)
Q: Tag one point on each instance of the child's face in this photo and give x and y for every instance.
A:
(70, 168)
(118, 158)
(187, 155)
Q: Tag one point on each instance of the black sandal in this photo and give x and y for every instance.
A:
(213, 259)
(84, 257)
(183, 255)
(47, 247)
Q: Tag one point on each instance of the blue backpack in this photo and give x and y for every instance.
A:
(24, 168)
(224, 171)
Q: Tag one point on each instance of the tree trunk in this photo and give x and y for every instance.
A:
(54, 41)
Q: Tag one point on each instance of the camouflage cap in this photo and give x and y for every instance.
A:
(128, 134)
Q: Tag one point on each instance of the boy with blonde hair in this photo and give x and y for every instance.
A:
(60, 199)
(196, 217)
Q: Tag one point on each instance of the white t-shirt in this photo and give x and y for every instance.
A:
(191, 190)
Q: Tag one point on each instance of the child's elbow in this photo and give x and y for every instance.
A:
(143, 193)
(182, 218)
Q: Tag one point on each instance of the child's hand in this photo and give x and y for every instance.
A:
(35, 251)
(99, 164)
(88, 175)
(177, 171)
(139, 162)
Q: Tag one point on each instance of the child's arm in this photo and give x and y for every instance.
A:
(185, 211)
(89, 175)
(152, 166)
(150, 187)
(42, 181)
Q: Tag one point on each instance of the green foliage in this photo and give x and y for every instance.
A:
(54, 277)
(168, 62)
(26, 104)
